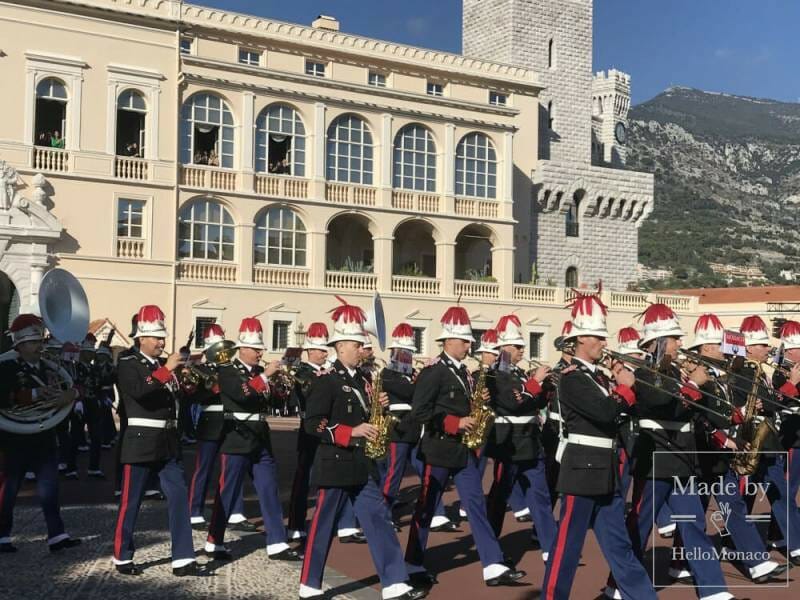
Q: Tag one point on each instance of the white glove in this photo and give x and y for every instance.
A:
(79, 407)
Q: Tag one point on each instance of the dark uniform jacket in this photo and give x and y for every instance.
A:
(87, 380)
(400, 388)
(337, 403)
(441, 397)
(589, 410)
(744, 381)
(790, 422)
(147, 390)
(514, 441)
(18, 380)
(659, 397)
(304, 377)
(713, 460)
(244, 391)
(550, 429)
(211, 423)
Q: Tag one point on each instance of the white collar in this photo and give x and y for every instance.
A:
(352, 372)
(152, 360)
(591, 366)
(313, 366)
(456, 363)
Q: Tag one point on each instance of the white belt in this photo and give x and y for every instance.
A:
(554, 416)
(154, 423)
(590, 440)
(399, 407)
(240, 416)
(670, 425)
(514, 420)
(213, 408)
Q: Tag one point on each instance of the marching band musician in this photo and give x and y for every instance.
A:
(107, 376)
(25, 379)
(514, 442)
(772, 466)
(715, 465)
(316, 348)
(209, 436)
(150, 443)
(246, 445)
(442, 404)
(337, 413)
(665, 452)
(67, 450)
(588, 478)
(89, 405)
(398, 382)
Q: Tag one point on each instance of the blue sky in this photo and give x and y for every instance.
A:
(742, 47)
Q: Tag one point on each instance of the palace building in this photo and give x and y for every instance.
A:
(223, 165)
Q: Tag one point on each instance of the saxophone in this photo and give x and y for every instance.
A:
(481, 413)
(382, 420)
(755, 434)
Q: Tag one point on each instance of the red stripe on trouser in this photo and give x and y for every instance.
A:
(312, 534)
(212, 537)
(123, 509)
(390, 472)
(560, 546)
(623, 456)
(789, 462)
(413, 536)
(194, 478)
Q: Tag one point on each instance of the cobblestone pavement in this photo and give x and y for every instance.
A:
(86, 572)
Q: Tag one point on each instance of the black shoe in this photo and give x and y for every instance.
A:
(245, 526)
(795, 560)
(508, 561)
(154, 494)
(67, 543)
(190, 570)
(71, 475)
(98, 474)
(509, 577)
(412, 594)
(288, 555)
(220, 555)
(448, 527)
(201, 526)
(128, 569)
(422, 580)
(772, 575)
(356, 538)
(7, 548)
(396, 526)
(524, 519)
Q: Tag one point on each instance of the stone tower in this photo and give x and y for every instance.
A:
(584, 226)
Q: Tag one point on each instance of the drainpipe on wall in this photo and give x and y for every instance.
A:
(178, 83)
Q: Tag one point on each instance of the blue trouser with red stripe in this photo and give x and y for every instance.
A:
(606, 515)
(373, 514)
(207, 451)
(43, 461)
(773, 469)
(649, 495)
(470, 492)
(135, 478)
(264, 471)
(532, 478)
(394, 467)
(298, 503)
(793, 471)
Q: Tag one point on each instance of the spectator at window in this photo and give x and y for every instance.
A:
(56, 141)
(43, 139)
(213, 159)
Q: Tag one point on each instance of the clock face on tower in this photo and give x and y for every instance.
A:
(621, 133)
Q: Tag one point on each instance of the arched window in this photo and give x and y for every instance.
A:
(51, 113)
(280, 238)
(476, 167)
(349, 151)
(571, 278)
(205, 231)
(280, 141)
(551, 54)
(415, 159)
(551, 116)
(206, 132)
(571, 220)
(131, 114)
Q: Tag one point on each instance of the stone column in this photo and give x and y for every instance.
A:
(246, 253)
(383, 262)
(503, 270)
(446, 267)
(246, 155)
(385, 153)
(507, 177)
(449, 168)
(317, 153)
(37, 272)
(316, 253)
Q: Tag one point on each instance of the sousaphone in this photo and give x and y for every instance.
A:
(375, 324)
(65, 312)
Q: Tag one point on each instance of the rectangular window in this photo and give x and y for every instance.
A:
(535, 341)
(435, 89)
(200, 325)
(315, 69)
(280, 335)
(130, 218)
(249, 57)
(573, 229)
(419, 339)
(186, 45)
(497, 99)
(376, 79)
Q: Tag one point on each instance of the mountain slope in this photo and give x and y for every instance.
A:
(727, 182)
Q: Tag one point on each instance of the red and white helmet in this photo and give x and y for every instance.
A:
(707, 330)
(659, 320)
(251, 334)
(212, 334)
(755, 331)
(588, 316)
(316, 337)
(790, 335)
(27, 328)
(456, 325)
(488, 343)
(403, 338)
(348, 324)
(70, 351)
(628, 341)
(509, 331)
(150, 322)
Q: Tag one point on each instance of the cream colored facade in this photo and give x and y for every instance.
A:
(450, 238)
